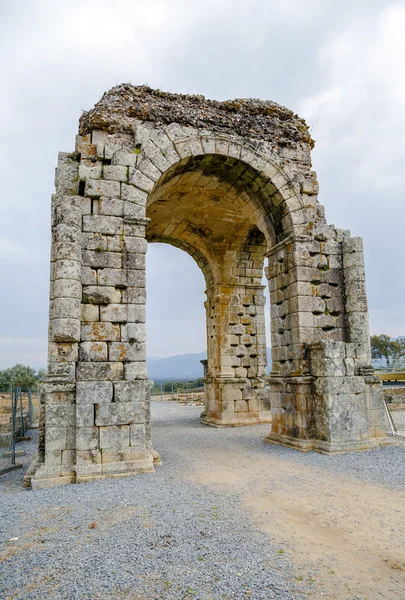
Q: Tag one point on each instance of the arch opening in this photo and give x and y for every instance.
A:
(203, 206)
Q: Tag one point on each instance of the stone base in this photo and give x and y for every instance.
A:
(234, 422)
(38, 477)
(324, 447)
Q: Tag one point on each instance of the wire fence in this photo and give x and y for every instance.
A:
(396, 418)
(185, 392)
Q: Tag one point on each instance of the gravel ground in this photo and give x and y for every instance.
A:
(162, 535)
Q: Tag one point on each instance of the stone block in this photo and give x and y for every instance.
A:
(135, 278)
(146, 167)
(125, 158)
(87, 438)
(64, 308)
(115, 172)
(101, 187)
(133, 332)
(55, 437)
(65, 269)
(91, 459)
(136, 313)
(353, 260)
(135, 371)
(62, 352)
(94, 392)
(134, 261)
(133, 194)
(135, 229)
(89, 312)
(94, 259)
(110, 371)
(101, 295)
(100, 332)
(356, 303)
(65, 288)
(60, 415)
(120, 413)
(88, 276)
(134, 210)
(64, 371)
(85, 415)
(53, 460)
(310, 187)
(113, 277)
(137, 436)
(65, 330)
(111, 206)
(129, 391)
(90, 170)
(141, 181)
(114, 437)
(136, 245)
(65, 251)
(114, 313)
(126, 352)
(93, 351)
(103, 224)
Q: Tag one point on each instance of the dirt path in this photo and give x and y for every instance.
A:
(350, 534)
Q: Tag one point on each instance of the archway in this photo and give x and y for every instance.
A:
(229, 183)
(200, 207)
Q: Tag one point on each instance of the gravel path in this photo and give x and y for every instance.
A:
(185, 532)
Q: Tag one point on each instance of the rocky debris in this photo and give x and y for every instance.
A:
(264, 120)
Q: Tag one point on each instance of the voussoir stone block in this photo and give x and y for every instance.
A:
(100, 187)
(115, 172)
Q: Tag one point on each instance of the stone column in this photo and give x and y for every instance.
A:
(237, 357)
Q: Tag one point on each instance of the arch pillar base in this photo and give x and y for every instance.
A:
(337, 407)
(235, 402)
(324, 447)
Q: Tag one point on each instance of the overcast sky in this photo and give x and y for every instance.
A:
(339, 64)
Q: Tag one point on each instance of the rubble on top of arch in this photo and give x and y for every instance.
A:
(263, 120)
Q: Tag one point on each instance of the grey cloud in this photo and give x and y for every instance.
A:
(58, 59)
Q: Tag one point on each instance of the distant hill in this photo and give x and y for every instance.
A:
(181, 366)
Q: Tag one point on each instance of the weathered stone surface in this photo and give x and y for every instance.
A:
(101, 295)
(258, 119)
(93, 351)
(100, 332)
(230, 183)
(122, 413)
(94, 392)
(92, 371)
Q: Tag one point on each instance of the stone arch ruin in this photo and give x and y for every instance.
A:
(231, 184)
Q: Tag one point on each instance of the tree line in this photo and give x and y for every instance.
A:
(384, 347)
(21, 376)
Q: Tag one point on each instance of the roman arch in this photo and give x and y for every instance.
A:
(231, 184)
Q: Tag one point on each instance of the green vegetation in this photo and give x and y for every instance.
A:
(382, 346)
(177, 386)
(21, 376)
